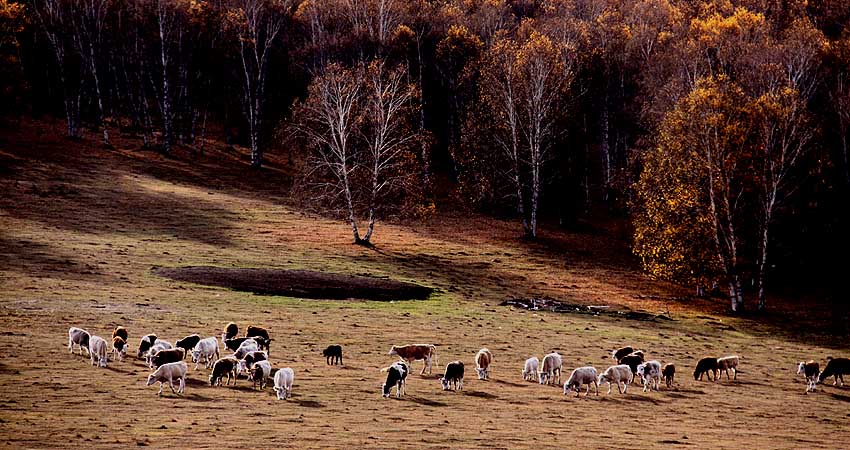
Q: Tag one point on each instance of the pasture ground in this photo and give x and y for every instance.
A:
(82, 227)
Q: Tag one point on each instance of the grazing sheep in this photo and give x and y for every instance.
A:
(167, 356)
(119, 348)
(283, 380)
(650, 372)
(728, 363)
(415, 352)
(122, 333)
(706, 365)
(206, 350)
(188, 343)
(668, 372)
(333, 354)
(617, 374)
(80, 337)
(249, 360)
(224, 366)
(551, 364)
(811, 370)
(247, 346)
(260, 372)
(98, 351)
(582, 375)
(145, 344)
(483, 359)
(396, 376)
(453, 376)
(168, 372)
(529, 370)
(618, 354)
(835, 367)
(158, 346)
(633, 361)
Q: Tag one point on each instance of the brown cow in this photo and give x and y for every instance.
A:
(415, 352)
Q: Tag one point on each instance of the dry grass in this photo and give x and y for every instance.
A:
(81, 227)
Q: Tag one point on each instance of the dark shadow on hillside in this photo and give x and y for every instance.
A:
(38, 259)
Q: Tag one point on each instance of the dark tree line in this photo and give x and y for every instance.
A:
(541, 110)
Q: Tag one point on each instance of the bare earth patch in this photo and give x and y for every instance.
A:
(298, 283)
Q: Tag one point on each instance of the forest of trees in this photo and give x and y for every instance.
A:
(719, 128)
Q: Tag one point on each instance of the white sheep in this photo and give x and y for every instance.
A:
(283, 380)
(206, 350)
(98, 351)
(551, 364)
(621, 373)
(530, 368)
(168, 372)
(582, 375)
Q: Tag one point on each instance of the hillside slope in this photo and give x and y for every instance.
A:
(82, 227)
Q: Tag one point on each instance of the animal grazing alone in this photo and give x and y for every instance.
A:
(617, 374)
(167, 356)
(706, 365)
(333, 354)
(810, 370)
(145, 344)
(283, 380)
(668, 372)
(122, 333)
(650, 373)
(224, 366)
(835, 367)
(618, 354)
(169, 372)
(79, 337)
(483, 359)
(529, 370)
(260, 372)
(453, 376)
(415, 352)
(119, 348)
(205, 350)
(98, 351)
(551, 365)
(396, 376)
(188, 343)
(583, 375)
(726, 364)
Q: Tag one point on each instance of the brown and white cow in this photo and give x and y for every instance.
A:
(811, 370)
(416, 352)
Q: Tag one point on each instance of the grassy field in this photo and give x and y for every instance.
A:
(81, 227)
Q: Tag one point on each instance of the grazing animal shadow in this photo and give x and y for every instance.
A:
(423, 401)
(197, 398)
(196, 383)
(480, 394)
(309, 403)
(510, 383)
(642, 398)
(843, 398)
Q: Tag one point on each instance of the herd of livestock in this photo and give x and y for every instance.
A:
(251, 352)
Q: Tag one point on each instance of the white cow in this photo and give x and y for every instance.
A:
(283, 380)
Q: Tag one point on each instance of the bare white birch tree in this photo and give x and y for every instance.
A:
(89, 22)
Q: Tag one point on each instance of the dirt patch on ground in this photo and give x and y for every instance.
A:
(298, 283)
